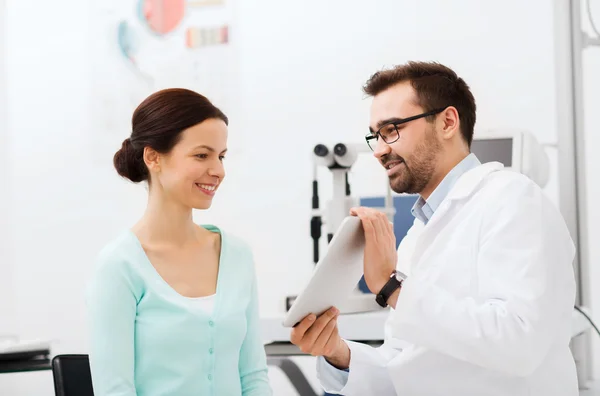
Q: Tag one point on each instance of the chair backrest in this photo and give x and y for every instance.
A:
(72, 376)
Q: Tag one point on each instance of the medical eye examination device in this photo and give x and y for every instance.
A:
(339, 159)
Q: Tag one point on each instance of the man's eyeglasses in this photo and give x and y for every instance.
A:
(389, 131)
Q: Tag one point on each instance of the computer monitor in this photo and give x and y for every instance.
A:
(495, 149)
(516, 149)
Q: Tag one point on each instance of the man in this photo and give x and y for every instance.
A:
(484, 289)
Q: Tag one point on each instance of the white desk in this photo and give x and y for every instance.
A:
(367, 328)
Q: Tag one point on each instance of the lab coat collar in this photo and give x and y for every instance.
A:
(469, 181)
(424, 209)
(463, 188)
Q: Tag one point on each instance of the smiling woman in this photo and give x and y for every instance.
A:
(172, 305)
(159, 123)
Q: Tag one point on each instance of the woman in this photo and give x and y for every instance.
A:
(173, 305)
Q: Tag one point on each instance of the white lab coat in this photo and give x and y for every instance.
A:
(486, 308)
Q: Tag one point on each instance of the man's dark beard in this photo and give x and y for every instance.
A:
(419, 168)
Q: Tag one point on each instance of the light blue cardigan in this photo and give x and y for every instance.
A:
(146, 340)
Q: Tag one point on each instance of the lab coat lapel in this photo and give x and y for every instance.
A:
(462, 190)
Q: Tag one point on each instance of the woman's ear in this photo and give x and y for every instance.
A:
(152, 159)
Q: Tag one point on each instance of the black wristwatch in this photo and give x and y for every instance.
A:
(395, 282)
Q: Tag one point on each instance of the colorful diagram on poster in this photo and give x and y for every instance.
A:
(161, 36)
(146, 45)
(197, 37)
(162, 16)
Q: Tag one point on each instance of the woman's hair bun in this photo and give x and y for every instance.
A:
(129, 164)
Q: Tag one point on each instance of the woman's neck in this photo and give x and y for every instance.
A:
(166, 222)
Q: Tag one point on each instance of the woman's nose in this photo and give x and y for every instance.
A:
(217, 170)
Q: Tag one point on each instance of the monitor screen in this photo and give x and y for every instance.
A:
(488, 150)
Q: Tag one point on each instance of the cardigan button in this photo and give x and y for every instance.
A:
(211, 323)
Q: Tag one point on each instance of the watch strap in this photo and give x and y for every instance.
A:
(388, 289)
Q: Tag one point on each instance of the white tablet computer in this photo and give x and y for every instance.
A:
(335, 276)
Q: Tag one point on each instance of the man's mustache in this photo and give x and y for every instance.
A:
(391, 158)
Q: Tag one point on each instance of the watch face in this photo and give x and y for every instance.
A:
(400, 276)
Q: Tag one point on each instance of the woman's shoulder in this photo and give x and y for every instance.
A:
(117, 265)
(119, 254)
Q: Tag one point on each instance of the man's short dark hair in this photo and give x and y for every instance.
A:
(436, 86)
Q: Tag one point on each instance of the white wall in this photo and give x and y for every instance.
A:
(7, 320)
(53, 217)
(299, 72)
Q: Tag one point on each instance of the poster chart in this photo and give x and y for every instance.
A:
(141, 46)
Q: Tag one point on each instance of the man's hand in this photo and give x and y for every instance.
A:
(381, 256)
(319, 337)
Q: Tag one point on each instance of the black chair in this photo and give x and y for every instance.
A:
(72, 376)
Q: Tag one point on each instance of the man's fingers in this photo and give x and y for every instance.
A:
(333, 342)
(387, 226)
(299, 331)
(311, 335)
(390, 226)
(366, 219)
(390, 229)
(375, 223)
(382, 227)
(320, 346)
(361, 211)
(379, 224)
(368, 227)
(391, 233)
